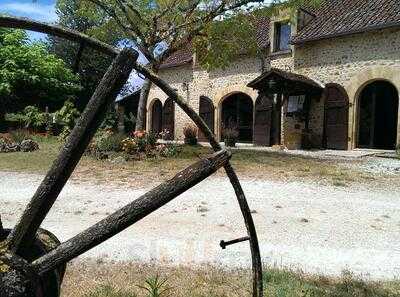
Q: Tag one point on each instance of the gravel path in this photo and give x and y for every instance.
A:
(318, 229)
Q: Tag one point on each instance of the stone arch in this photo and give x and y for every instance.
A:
(377, 115)
(237, 109)
(354, 88)
(220, 95)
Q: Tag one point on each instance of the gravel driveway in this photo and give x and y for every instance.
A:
(319, 229)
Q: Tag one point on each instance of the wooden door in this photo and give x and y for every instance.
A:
(336, 117)
(263, 120)
(156, 117)
(206, 112)
(169, 118)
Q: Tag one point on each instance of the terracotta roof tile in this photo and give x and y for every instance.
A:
(343, 17)
(185, 56)
(178, 58)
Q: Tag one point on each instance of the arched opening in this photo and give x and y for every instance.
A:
(156, 117)
(378, 116)
(206, 112)
(237, 112)
(168, 119)
(336, 124)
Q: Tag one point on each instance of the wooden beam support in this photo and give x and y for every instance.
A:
(258, 290)
(13, 22)
(132, 213)
(23, 235)
(26, 24)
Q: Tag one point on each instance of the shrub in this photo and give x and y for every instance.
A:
(129, 146)
(66, 117)
(168, 150)
(30, 117)
(230, 133)
(19, 135)
(190, 131)
(109, 142)
(155, 287)
(110, 122)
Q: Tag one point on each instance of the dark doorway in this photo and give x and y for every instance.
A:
(156, 117)
(336, 117)
(206, 111)
(378, 116)
(168, 119)
(263, 120)
(237, 111)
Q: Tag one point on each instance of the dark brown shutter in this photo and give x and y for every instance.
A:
(336, 117)
(156, 117)
(262, 121)
(206, 111)
(169, 118)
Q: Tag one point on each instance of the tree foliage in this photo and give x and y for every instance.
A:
(29, 75)
(218, 31)
(92, 64)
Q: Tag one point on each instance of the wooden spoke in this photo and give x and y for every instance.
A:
(26, 24)
(13, 22)
(132, 213)
(22, 236)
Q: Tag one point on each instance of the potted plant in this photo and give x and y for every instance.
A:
(190, 133)
(230, 136)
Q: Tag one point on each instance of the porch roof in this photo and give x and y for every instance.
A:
(288, 83)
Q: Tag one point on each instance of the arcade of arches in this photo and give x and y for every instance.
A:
(163, 118)
(266, 121)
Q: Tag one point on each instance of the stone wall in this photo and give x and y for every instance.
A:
(193, 82)
(350, 61)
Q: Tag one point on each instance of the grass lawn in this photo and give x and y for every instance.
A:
(249, 164)
(127, 280)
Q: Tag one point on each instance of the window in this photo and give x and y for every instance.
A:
(296, 104)
(283, 32)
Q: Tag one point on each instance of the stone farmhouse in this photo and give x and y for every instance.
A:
(330, 79)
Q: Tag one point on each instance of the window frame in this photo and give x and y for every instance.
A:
(278, 35)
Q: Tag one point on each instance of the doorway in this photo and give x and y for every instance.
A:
(237, 112)
(378, 116)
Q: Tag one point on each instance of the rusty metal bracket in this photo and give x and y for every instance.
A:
(223, 244)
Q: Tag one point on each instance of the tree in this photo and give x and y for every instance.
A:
(29, 75)
(175, 24)
(90, 65)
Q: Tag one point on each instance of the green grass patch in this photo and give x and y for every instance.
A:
(252, 164)
(278, 283)
(37, 161)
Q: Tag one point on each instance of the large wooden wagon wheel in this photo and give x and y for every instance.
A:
(32, 260)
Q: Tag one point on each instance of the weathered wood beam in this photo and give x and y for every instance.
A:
(27, 24)
(132, 213)
(71, 35)
(22, 236)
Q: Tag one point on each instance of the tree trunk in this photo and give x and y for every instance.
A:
(141, 113)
